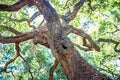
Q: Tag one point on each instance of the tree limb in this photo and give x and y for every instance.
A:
(36, 14)
(72, 15)
(111, 41)
(85, 36)
(81, 48)
(10, 29)
(17, 48)
(114, 31)
(29, 68)
(89, 4)
(16, 39)
(14, 7)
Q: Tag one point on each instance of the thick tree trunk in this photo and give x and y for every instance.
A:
(74, 65)
(81, 69)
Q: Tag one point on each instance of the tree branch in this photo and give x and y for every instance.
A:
(66, 4)
(10, 29)
(89, 4)
(85, 49)
(14, 7)
(114, 31)
(68, 17)
(16, 39)
(111, 41)
(52, 70)
(17, 48)
(36, 14)
(29, 68)
(85, 36)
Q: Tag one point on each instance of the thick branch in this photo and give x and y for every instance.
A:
(16, 39)
(14, 7)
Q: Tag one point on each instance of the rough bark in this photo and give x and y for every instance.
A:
(75, 66)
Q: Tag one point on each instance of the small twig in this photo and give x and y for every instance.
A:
(52, 70)
(66, 4)
(108, 71)
(10, 29)
(23, 20)
(82, 48)
(29, 68)
(41, 23)
(114, 31)
(89, 4)
(36, 14)
(13, 75)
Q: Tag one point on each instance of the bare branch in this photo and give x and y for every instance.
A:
(29, 68)
(85, 49)
(10, 61)
(20, 20)
(89, 4)
(16, 39)
(114, 31)
(111, 41)
(13, 59)
(66, 4)
(14, 7)
(52, 70)
(36, 14)
(72, 15)
(17, 48)
(85, 36)
(23, 20)
(10, 29)
(13, 74)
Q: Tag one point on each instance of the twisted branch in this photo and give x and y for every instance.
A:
(17, 48)
(111, 41)
(85, 37)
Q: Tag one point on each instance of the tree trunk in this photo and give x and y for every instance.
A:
(74, 65)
